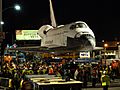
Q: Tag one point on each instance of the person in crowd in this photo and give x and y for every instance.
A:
(114, 68)
(27, 85)
(57, 74)
(80, 74)
(11, 85)
(16, 80)
(51, 71)
(105, 80)
(85, 76)
(67, 75)
(94, 76)
(76, 73)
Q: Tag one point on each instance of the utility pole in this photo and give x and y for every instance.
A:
(0, 32)
(0, 15)
(2, 35)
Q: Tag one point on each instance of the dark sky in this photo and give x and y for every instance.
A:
(102, 16)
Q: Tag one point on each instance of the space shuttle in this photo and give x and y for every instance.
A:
(73, 35)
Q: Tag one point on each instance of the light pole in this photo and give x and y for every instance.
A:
(0, 15)
(0, 31)
(16, 7)
(105, 46)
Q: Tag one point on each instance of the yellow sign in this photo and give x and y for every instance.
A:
(27, 35)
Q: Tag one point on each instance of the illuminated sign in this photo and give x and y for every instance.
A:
(84, 54)
(110, 53)
(27, 35)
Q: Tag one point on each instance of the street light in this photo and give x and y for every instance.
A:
(1, 22)
(16, 7)
(105, 45)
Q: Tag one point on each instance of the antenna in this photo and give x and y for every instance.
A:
(52, 17)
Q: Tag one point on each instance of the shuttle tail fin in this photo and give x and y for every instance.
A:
(52, 17)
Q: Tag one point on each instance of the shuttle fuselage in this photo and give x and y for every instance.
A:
(69, 35)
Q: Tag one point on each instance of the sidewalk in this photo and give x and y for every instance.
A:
(115, 83)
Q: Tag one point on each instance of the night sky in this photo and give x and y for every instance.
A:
(102, 16)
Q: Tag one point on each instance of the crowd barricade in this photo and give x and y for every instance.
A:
(5, 83)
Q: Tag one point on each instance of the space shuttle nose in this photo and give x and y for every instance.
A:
(78, 35)
(88, 37)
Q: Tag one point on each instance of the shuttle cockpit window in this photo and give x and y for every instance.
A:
(78, 25)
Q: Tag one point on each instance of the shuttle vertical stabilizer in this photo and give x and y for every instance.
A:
(52, 16)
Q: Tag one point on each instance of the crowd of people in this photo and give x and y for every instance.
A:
(86, 72)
